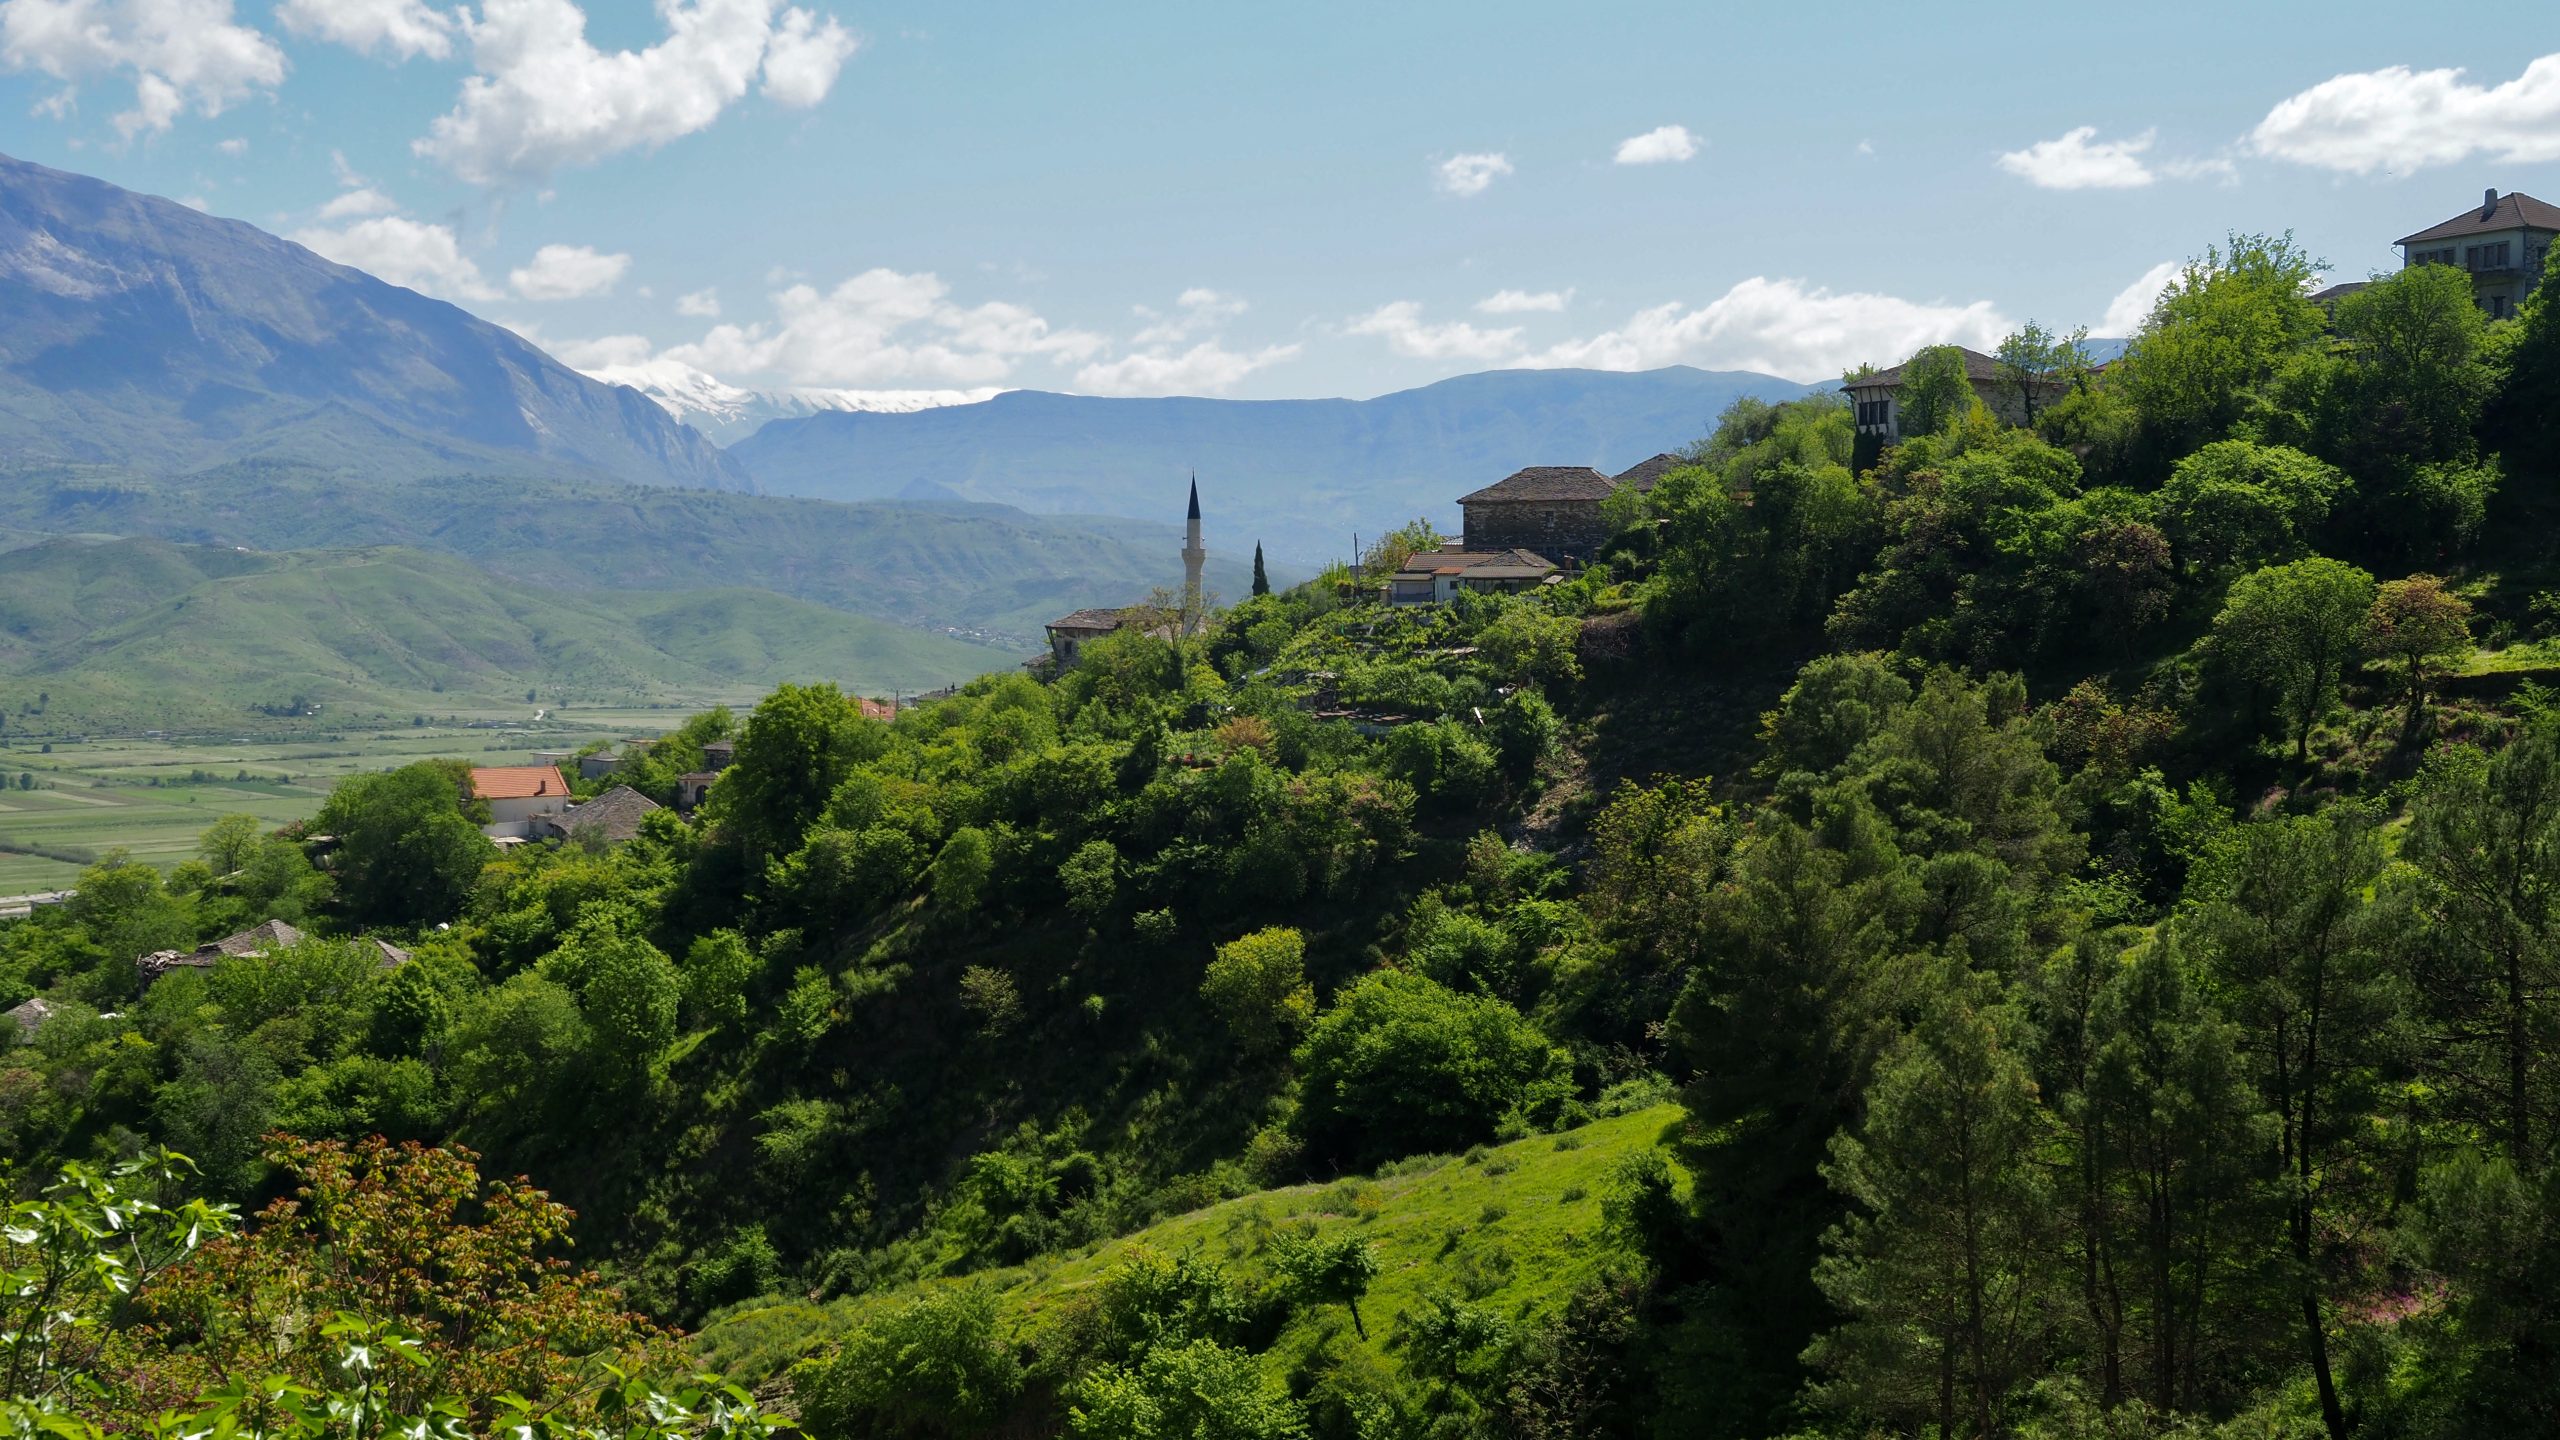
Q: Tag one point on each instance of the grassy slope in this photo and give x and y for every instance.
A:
(1522, 1219)
(143, 632)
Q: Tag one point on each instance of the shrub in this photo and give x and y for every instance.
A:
(932, 1367)
(1401, 1063)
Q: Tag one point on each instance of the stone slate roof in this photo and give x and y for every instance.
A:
(393, 957)
(2512, 212)
(1646, 473)
(2339, 291)
(1476, 565)
(257, 940)
(616, 815)
(1977, 367)
(1541, 484)
(29, 1016)
(1097, 621)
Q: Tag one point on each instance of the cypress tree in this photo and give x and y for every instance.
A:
(1261, 582)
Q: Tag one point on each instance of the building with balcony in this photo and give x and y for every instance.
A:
(2502, 243)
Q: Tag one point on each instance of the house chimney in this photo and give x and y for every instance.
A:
(2489, 203)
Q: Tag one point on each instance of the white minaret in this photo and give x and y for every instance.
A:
(1193, 555)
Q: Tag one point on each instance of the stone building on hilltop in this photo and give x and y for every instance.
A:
(1550, 510)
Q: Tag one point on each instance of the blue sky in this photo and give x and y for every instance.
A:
(1306, 199)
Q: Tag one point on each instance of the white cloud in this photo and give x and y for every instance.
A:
(701, 304)
(234, 147)
(2132, 305)
(1658, 146)
(1401, 325)
(568, 272)
(546, 98)
(2404, 120)
(403, 28)
(1523, 302)
(1205, 369)
(179, 53)
(885, 327)
(801, 62)
(1469, 174)
(1196, 311)
(393, 248)
(1782, 327)
(1866, 147)
(2079, 160)
(362, 200)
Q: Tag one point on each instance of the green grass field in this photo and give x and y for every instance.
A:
(1515, 1227)
(154, 796)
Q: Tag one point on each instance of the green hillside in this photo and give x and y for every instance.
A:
(141, 632)
(1519, 1226)
(980, 572)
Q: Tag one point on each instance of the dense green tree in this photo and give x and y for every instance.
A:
(1196, 1391)
(2032, 358)
(1326, 1270)
(407, 853)
(2484, 838)
(1401, 1065)
(2235, 506)
(2217, 338)
(1935, 393)
(2282, 926)
(1943, 1267)
(797, 747)
(1257, 984)
(1261, 581)
(2290, 631)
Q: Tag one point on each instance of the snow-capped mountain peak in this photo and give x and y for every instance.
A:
(730, 413)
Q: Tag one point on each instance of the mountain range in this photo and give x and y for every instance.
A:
(1300, 476)
(138, 332)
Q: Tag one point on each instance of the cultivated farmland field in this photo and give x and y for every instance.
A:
(154, 795)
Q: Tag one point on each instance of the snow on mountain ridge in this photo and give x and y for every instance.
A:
(729, 413)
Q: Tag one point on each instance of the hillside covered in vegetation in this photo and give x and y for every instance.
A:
(2044, 930)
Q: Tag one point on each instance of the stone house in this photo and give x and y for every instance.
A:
(1069, 634)
(610, 818)
(1434, 577)
(1645, 474)
(1878, 395)
(2501, 242)
(1552, 510)
(518, 796)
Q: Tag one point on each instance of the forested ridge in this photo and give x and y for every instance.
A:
(2084, 895)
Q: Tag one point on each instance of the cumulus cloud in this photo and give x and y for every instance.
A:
(2079, 160)
(179, 53)
(1524, 302)
(1782, 327)
(403, 29)
(2405, 119)
(702, 304)
(362, 200)
(568, 272)
(1401, 325)
(1464, 175)
(1660, 146)
(426, 258)
(2132, 305)
(1207, 368)
(885, 327)
(545, 98)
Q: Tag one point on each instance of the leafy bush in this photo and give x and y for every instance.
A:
(1401, 1063)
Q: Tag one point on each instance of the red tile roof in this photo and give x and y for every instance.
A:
(516, 782)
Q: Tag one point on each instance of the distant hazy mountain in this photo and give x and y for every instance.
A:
(729, 413)
(970, 572)
(137, 332)
(1298, 475)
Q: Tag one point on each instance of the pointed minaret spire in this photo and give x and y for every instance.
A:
(1194, 555)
